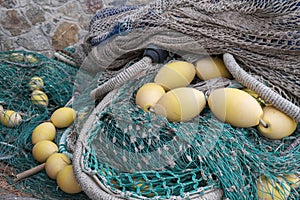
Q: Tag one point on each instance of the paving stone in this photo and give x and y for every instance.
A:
(35, 14)
(34, 40)
(70, 9)
(8, 3)
(58, 2)
(53, 3)
(14, 22)
(23, 3)
(65, 35)
(91, 6)
(6, 43)
(84, 21)
(48, 28)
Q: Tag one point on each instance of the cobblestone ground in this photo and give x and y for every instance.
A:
(45, 26)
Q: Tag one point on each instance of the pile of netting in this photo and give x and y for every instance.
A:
(137, 154)
(16, 70)
(262, 35)
(122, 151)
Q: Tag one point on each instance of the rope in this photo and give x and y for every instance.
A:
(266, 93)
(121, 78)
(262, 35)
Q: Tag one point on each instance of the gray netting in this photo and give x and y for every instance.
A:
(262, 35)
(123, 152)
(16, 70)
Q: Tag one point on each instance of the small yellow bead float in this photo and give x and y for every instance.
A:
(36, 83)
(9, 118)
(39, 98)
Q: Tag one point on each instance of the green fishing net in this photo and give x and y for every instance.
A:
(118, 150)
(16, 70)
(141, 155)
(134, 153)
(124, 152)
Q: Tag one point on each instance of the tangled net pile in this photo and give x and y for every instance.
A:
(16, 70)
(262, 35)
(121, 151)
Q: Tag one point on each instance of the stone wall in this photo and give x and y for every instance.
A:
(44, 26)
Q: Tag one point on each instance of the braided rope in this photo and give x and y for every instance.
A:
(263, 35)
(87, 182)
(121, 78)
(92, 186)
(266, 93)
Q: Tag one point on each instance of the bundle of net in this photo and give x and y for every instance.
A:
(262, 35)
(33, 86)
(127, 152)
(141, 155)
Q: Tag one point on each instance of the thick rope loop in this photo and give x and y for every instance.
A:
(264, 91)
(121, 78)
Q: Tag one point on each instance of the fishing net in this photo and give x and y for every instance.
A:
(17, 68)
(120, 151)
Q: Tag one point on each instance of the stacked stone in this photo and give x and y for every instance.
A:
(44, 26)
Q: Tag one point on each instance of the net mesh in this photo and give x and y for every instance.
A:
(133, 154)
(139, 155)
(142, 155)
(262, 35)
(16, 69)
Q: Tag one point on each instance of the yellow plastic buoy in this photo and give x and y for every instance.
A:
(175, 74)
(66, 180)
(16, 57)
(148, 95)
(43, 149)
(256, 96)
(268, 189)
(209, 68)
(235, 107)
(180, 104)
(39, 98)
(44, 131)
(63, 117)
(31, 59)
(55, 163)
(279, 125)
(10, 118)
(293, 180)
(36, 83)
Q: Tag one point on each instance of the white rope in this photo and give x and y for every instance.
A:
(266, 93)
(121, 78)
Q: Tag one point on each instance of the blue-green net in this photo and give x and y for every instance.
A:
(137, 154)
(16, 70)
(142, 155)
